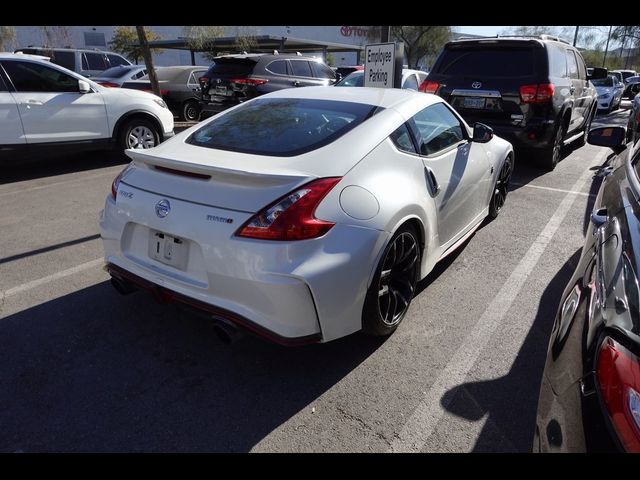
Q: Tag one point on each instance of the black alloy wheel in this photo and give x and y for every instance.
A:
(501, 188)
(394, 284)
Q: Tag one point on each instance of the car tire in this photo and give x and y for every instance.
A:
(501, 187)
(190, 111)
(551, 155)
(138, 133)
(394, 283)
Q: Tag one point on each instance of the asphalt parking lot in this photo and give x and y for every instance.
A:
(84, 369)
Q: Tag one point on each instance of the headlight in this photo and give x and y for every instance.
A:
(160, 102)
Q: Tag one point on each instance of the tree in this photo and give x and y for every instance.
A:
(630, 37)
(421, 41)
(125, 41)
(7, 37)
(57, 36)
(148, 60)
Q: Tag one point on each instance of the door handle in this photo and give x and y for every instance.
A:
(431, 179)
(599, 218)
(296, 83)
(33, 102)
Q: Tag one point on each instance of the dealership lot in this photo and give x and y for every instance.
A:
(85, 369)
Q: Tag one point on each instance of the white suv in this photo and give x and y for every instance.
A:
(46, 108)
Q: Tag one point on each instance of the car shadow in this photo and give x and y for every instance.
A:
(510, 402)
(96, 372)
(34, 168)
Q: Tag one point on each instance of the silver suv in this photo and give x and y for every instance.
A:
(86, 62)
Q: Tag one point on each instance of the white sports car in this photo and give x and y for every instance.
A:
(306, 214)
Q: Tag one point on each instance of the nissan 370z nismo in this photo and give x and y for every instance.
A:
(304, 215)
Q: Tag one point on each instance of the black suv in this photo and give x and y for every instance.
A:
(533, 91)
(232, 79)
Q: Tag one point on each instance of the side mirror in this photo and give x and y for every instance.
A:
(482, 133)
(83, 87)
(598, 73)
(338, 77)
(612, 137)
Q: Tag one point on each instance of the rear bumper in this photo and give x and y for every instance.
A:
(534, 135)
(165, 295)
(290, 292)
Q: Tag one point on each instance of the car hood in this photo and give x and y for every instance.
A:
(604, 90)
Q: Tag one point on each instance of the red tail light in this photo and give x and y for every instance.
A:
(428, 86)
(292, 216)
(618, 373)
(540, 93)
(109, 84)
(254, 82)
(116, 181)
(203, 80)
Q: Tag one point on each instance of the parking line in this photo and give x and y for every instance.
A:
(424, 420)
(50, 278)
(553, 189)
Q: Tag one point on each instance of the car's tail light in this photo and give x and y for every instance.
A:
(618, 373)
(540, 93)
(116, 181)
(203, 80)
(429, 86)
(109, 84)
(254, 82)
(292, 216)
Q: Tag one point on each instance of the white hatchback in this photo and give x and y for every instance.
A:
(46, 108)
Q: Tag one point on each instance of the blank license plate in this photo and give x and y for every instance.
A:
(472, 102)
(168, 249)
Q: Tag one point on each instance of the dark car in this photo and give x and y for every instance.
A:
(534, 92)
(633, 126)
(86, 62)
(232, 79)
(179, 88)
(590, 391)
(629, 83)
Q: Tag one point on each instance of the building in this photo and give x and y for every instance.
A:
(98, 37)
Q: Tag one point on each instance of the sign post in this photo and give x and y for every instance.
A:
(383, 65)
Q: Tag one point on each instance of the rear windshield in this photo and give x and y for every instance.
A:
(487, 62)
(115, 72)
(231, 66)
(282, 127)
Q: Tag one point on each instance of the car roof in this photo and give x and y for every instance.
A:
(22, 56)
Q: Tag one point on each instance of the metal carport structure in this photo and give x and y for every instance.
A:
(260, 44)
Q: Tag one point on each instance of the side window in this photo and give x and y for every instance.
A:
(401, 138)
(322, 71)
(557, 61)
(301, 68)
(411, 83)
(32, 77)
(582, 70)
(116, 60)
(140, 74)
(278, 67)
(95, 61)
(3, 87)
(193, 78)
(572, 65)
(437, 129)
(65, 59)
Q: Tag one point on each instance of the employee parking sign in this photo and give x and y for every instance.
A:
(383, 65)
